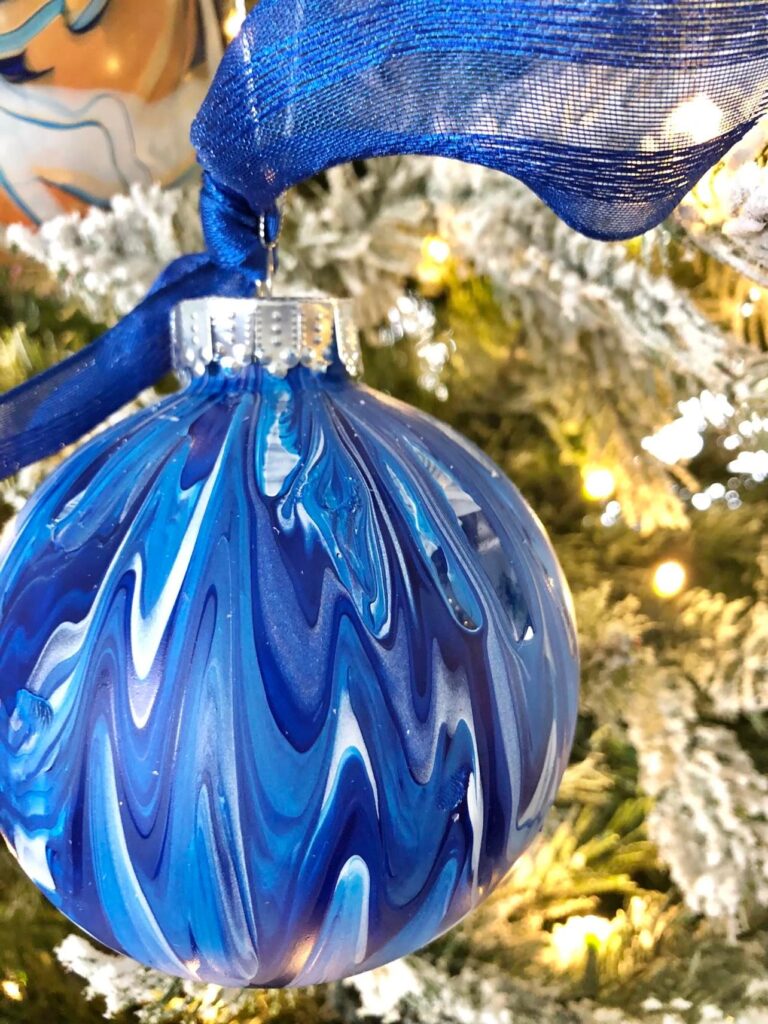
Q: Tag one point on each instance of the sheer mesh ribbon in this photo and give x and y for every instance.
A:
(609, 109)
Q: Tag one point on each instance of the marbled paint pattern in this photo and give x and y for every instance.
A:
(288, 680)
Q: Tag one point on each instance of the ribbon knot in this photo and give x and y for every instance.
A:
(237, 236)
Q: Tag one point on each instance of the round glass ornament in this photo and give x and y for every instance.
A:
(98, 95)
(288, 674)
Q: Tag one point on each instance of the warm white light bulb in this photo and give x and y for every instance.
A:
(669, 578)
(233, 21)
(699, 118)
(436, 249)
(12, 990)
(572, 939)
(599, 483)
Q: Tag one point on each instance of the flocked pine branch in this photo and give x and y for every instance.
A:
(609, 345)
(710, 813)
(727, 213)
(107, 259)
(727, 655)
(352, 235)
(411, 991)
(681, 698)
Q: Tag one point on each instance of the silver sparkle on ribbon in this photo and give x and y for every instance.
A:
(278, 333)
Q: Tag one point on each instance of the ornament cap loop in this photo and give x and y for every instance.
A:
(269, 242)
(276, 333)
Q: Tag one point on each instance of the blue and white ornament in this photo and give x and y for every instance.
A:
(288, 674)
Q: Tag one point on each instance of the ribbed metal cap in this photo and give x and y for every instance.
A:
(277, 333)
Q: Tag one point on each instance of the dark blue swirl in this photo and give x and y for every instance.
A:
(14, 69)
(288, 680)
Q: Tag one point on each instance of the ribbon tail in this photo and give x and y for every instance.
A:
(55, 408)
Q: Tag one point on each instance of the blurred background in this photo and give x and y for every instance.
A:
(624, 388)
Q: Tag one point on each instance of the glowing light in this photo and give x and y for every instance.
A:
(436, 249)
(699, 118)
(599, 483)
(678, 441)
(435, 354)
(611, 514)
(572, 939)
(430, 278)
(754, 464)
(681, 440)
(233, 21)
(208, 1012)
(12, 990)
(669, 578)
(431, 269)
(747, 309)
(113, 65)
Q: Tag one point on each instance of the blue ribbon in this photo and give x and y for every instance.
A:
(58, 406)
(61, 404)
(609, 109)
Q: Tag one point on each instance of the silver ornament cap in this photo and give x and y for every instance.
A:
(276, 333)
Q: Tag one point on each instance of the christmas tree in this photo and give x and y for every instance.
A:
(624, 387)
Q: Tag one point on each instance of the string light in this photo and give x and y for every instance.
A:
(12, 990)
(699, 118)
(572, 940)
(701, 501)
(611, 514)
(436, 249)
(234, 20)
(682, 439)
(435, 254)
(753, 464)
(754, 297)
(598, 484)
(669, 578)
